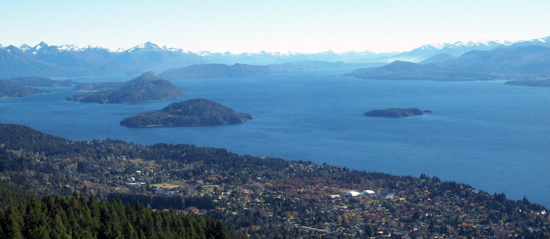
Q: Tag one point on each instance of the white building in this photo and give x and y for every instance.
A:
(352, 194)
(368, 192)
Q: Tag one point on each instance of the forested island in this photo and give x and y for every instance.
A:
(194, 112)
(9, 89)
(255, 197)
(396, 112)
(146, 87)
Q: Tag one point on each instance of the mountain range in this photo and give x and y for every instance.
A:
(459, 48)
(69, 60)
(507, 63)
(46, 60)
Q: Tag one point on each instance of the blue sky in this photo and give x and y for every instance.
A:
(275, 26)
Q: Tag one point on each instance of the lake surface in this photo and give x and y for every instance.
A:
(493, 136)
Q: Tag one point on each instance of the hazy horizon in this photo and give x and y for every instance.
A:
(271, 26)
(260, 51)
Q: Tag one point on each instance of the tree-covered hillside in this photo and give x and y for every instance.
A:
(146, 87)
(80, 217)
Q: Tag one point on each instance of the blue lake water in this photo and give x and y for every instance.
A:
(490, 135)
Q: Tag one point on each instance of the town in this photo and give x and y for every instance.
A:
(264, 197)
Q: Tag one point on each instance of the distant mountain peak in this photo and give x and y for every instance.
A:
(149, 45)
(25, 47)
(543, 41)
(148, 74)
(38, 47)
(145, 47)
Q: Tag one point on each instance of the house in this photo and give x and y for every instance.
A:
(389, 196)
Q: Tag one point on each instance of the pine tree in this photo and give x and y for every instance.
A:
(129, 232)
(58, 229)
(13, 224)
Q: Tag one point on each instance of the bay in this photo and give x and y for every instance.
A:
(493, 136)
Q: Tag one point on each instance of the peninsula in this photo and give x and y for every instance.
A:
(534, 83)
(41, 82)
(147, 87)
(396, 112)
(194, 112)
(204, 71)
(10, 89)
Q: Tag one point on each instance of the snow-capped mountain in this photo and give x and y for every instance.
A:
(545, 41)
(43, 47)
(145, 47)
(470, 44)
(87, 48)
(454, 49)
(24, 47)
(151, 47)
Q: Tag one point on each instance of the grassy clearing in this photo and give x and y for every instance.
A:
(170, 185)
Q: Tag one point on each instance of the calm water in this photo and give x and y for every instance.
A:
(490, 135)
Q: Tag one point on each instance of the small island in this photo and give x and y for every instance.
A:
(147, 87)
(190, 113)
(396, 112)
